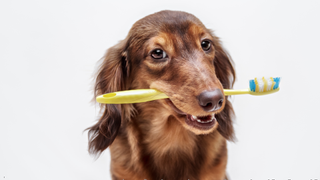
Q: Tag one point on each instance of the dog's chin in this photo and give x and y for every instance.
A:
(197, 124)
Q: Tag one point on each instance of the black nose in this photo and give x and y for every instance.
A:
(211, 100)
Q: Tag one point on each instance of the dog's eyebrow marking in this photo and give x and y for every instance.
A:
(164, 41)
(199, 32)
(194, 29)
(160, 40)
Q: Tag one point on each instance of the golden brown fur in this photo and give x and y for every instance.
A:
(152, 140)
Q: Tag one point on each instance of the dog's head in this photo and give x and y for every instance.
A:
(175, 53)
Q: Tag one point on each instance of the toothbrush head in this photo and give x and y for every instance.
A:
(262, 86)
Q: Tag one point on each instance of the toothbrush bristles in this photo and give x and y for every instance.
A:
(264, 84)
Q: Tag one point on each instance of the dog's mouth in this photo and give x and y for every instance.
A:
(200, 122)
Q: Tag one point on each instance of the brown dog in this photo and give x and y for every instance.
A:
(183, 137)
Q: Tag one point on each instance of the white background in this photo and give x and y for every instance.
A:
(49, 49)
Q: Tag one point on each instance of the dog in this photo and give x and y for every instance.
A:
(184, 136)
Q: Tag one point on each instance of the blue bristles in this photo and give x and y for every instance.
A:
(252, 86)
(277, 81)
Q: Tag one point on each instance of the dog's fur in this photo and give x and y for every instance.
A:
(151, 140)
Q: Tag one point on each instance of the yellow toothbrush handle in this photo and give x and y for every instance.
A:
(131, 96)
(228, 92)
(144, 95)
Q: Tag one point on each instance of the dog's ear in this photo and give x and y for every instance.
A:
(111, 77)
(226, 74)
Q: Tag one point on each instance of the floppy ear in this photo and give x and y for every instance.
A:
(226, 74)
(110, 77)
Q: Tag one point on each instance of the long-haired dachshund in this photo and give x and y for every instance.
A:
(183, 137)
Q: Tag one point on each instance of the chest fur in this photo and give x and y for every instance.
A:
(161, 149)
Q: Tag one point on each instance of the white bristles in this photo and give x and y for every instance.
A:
(260, 85)
(264, 84)
(269, 84)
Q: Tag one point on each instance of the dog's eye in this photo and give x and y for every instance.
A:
(158, 54)
(206, 45)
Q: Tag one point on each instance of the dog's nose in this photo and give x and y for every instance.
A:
(211, 100)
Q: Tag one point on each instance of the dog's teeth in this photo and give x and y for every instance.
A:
(195, 118)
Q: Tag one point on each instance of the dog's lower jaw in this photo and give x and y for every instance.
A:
(189, 121)
(198, 131)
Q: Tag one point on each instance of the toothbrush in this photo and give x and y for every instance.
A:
(257, 86)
